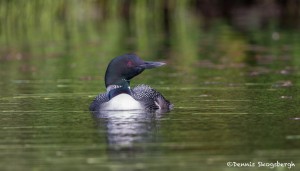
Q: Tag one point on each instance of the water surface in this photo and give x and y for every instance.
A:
(220, 115)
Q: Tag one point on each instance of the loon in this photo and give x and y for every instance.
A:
(119, 95)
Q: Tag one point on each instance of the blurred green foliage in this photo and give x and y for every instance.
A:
(182, 31)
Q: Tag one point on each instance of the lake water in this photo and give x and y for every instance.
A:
(221, 114)
(235, 87)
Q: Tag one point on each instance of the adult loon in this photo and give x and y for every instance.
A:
(119, 95)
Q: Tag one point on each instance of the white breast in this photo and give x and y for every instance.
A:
(122, 102)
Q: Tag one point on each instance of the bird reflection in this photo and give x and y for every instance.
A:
(128, 130)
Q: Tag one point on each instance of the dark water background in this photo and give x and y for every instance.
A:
(232, 76)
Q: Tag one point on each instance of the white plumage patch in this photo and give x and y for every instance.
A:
(122, 102)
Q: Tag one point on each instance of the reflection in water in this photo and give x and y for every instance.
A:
(126, 129)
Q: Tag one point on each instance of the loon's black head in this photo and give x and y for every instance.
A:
(123, 68)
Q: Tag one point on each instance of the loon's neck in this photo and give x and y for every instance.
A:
(116, 89)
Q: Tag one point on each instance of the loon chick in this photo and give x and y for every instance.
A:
(119, 96)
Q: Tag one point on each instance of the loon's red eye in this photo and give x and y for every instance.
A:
(129, 63)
